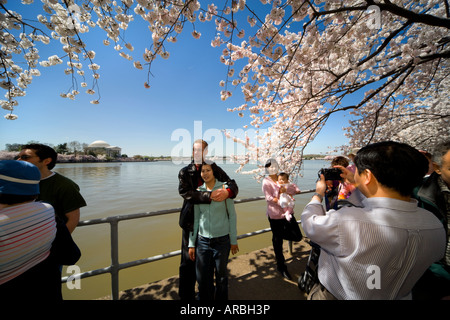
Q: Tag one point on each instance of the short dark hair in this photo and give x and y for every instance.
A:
(340, 161)
(16, 198)
(43, 152)
(214, 166)
(284, 175)
(397, 166)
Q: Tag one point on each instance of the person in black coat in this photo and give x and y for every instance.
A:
(434, 195)
(189, 180)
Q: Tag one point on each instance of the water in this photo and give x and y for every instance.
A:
(134, 187)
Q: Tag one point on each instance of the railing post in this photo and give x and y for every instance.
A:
(115, 267)
(114, 260)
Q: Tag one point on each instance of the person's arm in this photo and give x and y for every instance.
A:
(234, 248)
(346, 174)
(192, 253)
(232, 218)
(321, 187)
(193, 234)
(232, 189)
(189, 192)
(73, 217)
(268, 192)
(69, 201)
(293, 189)
(320, 227)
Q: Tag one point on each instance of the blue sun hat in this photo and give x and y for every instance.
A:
(19, 178)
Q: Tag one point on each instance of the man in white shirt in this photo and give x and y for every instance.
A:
(379, 248)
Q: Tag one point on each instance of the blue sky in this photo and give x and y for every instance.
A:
(184, 89)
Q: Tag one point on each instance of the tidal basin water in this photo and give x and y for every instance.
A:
(134, 187)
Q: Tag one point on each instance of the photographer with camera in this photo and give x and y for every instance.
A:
(337, 187)
(334, 178)
(378, 250)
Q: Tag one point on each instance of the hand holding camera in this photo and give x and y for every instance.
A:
(337, 173)
(331, 173)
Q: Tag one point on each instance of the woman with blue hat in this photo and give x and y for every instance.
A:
(27, 230)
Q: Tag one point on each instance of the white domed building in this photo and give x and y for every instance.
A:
(101, 147)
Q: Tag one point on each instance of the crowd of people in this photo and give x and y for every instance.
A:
(39, 209)
(383, 232)
(380, 242)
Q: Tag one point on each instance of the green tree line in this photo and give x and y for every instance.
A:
(73, 147)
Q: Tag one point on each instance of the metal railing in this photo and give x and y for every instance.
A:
(115, 266)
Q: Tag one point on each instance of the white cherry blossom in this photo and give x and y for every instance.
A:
(297, 63)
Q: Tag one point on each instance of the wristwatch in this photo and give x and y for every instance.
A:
(319, 195)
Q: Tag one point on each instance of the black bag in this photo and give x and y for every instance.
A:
(291, 230)
(310, 277)
(64, 250)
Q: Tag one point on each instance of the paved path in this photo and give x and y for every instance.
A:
(252, 276)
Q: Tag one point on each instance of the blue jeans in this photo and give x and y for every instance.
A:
(212, 258)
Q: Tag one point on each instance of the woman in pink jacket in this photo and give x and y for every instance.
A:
(275, 213)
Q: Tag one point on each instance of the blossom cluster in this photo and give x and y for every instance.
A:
(297, 63)
(294, 81)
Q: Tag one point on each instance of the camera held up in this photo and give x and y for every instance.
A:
(330, 173)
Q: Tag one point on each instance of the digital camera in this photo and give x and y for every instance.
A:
(331, 173)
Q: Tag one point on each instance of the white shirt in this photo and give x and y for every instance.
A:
(375, 252)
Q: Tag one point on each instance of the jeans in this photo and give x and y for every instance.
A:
(212, 259)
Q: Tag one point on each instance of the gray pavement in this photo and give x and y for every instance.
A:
(252, 276)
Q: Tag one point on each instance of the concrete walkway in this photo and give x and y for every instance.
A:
(252, 276)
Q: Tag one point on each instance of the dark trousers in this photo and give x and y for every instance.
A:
(40, 283)
(187, 279)
(277, 241)
(212, 258)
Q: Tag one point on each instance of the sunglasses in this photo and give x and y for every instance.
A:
(24, 157)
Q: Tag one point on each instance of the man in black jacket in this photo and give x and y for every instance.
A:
(189, 180)
(434, 195)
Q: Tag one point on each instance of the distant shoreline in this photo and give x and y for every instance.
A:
(62, 158)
